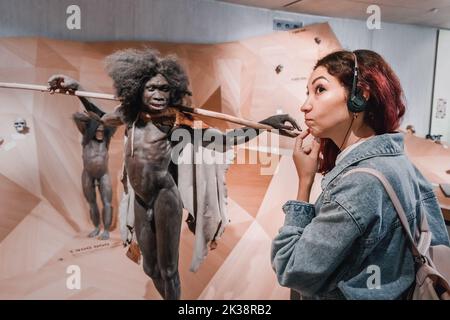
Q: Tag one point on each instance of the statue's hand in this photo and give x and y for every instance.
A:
(279, 122)
(62, 83)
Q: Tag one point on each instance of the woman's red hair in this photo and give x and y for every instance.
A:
(385, 106)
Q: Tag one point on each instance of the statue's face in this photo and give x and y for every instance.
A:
(100, 133)
(156, 93)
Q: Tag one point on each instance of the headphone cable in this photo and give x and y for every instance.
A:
(351, 124)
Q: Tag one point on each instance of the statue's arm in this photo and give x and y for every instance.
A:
(81, 120)
(213, 138)
(65, 83)
(113, 119)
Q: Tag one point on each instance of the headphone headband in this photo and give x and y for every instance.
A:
(356, 102)
(355, 75)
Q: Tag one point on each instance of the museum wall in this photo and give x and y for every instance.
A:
(409, 49)
(441, 115)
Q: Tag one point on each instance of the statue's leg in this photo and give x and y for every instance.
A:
(106, 194)
(88, 184)
(146, 239)
(168, 216)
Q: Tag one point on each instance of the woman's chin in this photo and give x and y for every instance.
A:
(315, 133)
(312, 131)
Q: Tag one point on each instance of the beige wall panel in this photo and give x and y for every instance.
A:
(11, 210)
(39, 236)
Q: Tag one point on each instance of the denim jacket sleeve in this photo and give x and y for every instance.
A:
(310, 247)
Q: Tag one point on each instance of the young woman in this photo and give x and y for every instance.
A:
(350, 244)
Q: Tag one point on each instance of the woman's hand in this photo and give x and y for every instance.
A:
(306, 158)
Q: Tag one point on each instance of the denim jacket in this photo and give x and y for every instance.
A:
(350, 243)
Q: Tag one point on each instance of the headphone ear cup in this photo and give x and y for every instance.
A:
(356, 103)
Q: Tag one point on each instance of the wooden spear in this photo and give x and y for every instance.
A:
(105, 96)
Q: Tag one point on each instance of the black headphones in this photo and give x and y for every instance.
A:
(356, 102)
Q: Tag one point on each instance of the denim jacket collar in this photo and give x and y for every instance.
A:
(387, 144)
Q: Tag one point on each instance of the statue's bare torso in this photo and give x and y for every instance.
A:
(147, 164)
(95, 158)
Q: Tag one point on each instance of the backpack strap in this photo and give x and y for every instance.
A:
(420, 249)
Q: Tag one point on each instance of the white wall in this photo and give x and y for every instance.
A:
(409, 49)
(442, 86)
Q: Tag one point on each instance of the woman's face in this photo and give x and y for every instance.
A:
(326, 113)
